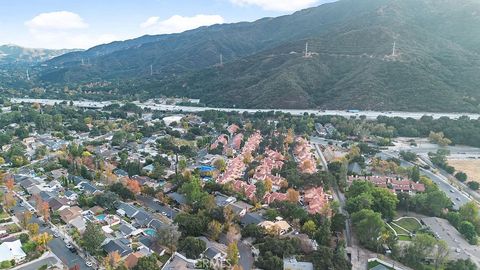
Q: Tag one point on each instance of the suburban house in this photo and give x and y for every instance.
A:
(12, 251)
(70, 213)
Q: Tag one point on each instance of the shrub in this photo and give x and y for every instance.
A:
(5, 264)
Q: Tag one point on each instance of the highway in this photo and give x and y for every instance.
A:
(458, 197)
(371, 115)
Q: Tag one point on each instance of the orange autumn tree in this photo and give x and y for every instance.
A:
(9, 183)
(293, 195)
(45, 211)
(134, 186)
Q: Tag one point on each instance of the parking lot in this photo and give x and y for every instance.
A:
(459, 247)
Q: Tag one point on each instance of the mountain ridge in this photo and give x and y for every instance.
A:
(437, 56)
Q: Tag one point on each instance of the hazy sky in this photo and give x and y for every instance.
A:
(85, 23)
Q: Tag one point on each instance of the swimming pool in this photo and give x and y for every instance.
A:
(101, 217)
(150, 232)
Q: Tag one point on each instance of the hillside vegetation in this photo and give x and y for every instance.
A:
(435, 66)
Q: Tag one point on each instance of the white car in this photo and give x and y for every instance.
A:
(68, 245)
(56, 235)
(89, 263)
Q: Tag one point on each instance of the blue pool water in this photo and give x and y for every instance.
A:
(150, 232)
(101, 217)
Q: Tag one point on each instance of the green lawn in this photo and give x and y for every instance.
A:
(372, 264)
(404, 238)
(398, 229)
(410, 224)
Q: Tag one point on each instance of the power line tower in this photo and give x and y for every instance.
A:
(151, 70)
(307, 53)
(221, 60)
(394, 49)
(28, 76)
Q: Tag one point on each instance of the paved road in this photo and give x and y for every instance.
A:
(246, 258)
(459, 247)
(152, 105)
(457, 197)
(340, 197)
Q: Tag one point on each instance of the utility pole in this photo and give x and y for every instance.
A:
(221, 60)
(28, 76)
(151, 70)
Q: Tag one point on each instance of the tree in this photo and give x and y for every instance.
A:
(473, 185)
(9, 201)
(42, 239)
(214, 229)
(45, 211)
(133, 186)
(461, 176)
(233, 234)
(112, 260)
(93, 238)
(470, 212)
(461, 265)
(192, 247)
(25, 218)
(260, 191)
(147, 263)
(228, 216)
(232, 253)
(440, 254)
(10, 184)
(309, 228)
(421, 247)
(168, 236)
(439, 138)
(292, 195)
(468, 231)
(33, 229)
(368, 226)
(415, 174)
(220, 164)
(384, 202)
(338, 222)
(268, 185)
(408, 156)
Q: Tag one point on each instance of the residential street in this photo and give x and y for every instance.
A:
(57, 245)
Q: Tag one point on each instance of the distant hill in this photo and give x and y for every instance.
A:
(435, 67)
(10, 54)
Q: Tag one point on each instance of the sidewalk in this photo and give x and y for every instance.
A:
(48, 258)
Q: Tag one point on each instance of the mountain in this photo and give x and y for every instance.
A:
(10, 54)
(351, 63)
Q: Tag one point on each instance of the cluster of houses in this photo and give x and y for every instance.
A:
(120, 229)
(396, 184)
(303, 154)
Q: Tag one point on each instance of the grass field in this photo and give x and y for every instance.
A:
(410, 224)
(469, 166)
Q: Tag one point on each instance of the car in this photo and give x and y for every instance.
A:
(164, 213)
(89, 263)
(69, 246)
(451, 190)
(56, 235)
(458, 199)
